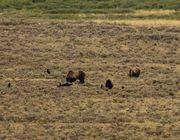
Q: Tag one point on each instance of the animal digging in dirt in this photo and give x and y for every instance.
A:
(73, 76)
(134, 72)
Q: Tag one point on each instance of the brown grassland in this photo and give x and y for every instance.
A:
(33, 107)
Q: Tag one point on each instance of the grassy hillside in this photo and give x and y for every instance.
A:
(56, 8)
(34, 108)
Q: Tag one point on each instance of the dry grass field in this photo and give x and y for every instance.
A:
(34, 107)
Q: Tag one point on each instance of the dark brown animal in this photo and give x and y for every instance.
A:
(109, 84)
(81, 76)
(134, 72)
(48, 71)
(9, 85)
(73, 76)
(64, 84)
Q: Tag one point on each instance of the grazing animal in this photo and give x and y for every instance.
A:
(81, 76)
(9, 85)
(48, 71)
(134, 72)
(109, 84)
(73, 76)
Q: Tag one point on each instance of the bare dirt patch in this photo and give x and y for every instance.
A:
(138, 22)
(153, 12)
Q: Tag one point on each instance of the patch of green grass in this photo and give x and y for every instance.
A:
(65, 8)
(89, 5)
(24, 13)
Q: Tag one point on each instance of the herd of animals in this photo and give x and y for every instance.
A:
(80, 76)
(74, 76)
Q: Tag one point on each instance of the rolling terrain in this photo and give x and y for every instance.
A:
(136, 108)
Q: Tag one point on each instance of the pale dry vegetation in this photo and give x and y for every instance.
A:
(136, 108)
